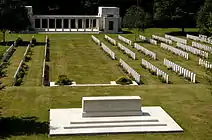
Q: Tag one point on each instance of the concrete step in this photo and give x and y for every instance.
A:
(104, 125)
(115, 120)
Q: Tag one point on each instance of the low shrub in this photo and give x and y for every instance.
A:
(124, 80)
(19, 41)
(34, 41)
(63, 80)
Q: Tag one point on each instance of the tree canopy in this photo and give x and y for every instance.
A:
(137, 18)
(13, 16)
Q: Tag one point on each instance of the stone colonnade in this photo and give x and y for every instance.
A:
(66, 23)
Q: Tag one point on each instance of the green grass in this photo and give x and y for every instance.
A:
(33, 77)
(189, 105)
(79, 58)
(84, 62)
(2, 50)
(13, 65)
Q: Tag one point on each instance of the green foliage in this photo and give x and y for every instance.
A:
(137, 18)
(204, 19)
(13, 16)
(19, 41)
(63, 80)
(124, 80)
(34, 41)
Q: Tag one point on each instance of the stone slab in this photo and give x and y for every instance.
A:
(71, 122)
(111, 106)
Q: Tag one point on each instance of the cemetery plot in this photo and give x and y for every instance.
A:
(108, 51)
(182, 71)
(155, 71)
(161, 39)
(192, 50)
(130, 70)
(145, 51)
(33, 77)
(13, 65)
(176, 39)
(192, 37)
(201, 46)
(23, 67)
(205, 39)
(125, 40)
(205, 63)
(81, 60)
(174, 50)
(96, 40)
(148, 40)
(126, 50)
(5, 55)
(110, 40)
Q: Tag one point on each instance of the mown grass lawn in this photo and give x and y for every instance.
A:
(189, 105)
(79, 58)
(33, 76)
(25, 113)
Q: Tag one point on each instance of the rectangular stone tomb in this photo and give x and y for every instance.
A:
(111, 106)
(103, 115)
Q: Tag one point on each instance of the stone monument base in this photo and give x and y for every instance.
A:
(71, 122)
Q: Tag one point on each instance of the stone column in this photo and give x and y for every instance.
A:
(84, 24)
(62, 22)
(41, 23)
(47, 24)
(97, 24)
(76, 23)
(55, 24)
(89, 23)
(69, 24)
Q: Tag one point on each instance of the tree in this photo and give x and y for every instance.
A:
(204, 19)
(13, 16)
(136, 17)
(175, 11)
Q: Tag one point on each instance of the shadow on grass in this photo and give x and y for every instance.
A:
(127, 32)
(14, 126)
(7, 43)
(24, 43)
(179, 33)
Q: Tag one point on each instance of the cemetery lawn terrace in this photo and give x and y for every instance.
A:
(25, 108)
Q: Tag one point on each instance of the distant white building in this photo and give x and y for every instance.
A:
(108, 20)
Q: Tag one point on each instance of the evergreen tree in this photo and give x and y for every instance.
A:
(204, 20)
(136, 18)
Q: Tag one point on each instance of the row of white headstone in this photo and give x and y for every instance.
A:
(112, 41)
(174, 50)
(192, 37)
(7, 53)
(176, 39)
(205, 63)
(182, 71)
(159, 72)
(126, 50)
(201, 46)
(145, 51)
(23, 60)
(44, 61)
(131, 71)
(109, 51)
(192, 50)
(205, 39)
(96, 40)
(162, 39)
(149, 40)
(125, 40)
